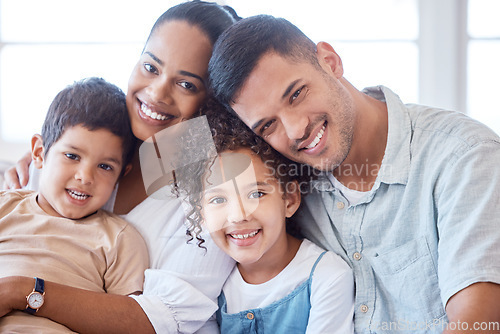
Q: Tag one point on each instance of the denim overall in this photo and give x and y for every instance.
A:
(287, 315)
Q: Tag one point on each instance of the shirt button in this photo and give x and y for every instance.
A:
(340, 205)
(357, 256)
(363, 308)
(250, 316)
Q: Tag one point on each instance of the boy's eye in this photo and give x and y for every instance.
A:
(72, 156)
(150, 68)
(188, 85)
(105, 167)
(255, 194)
(217, 200)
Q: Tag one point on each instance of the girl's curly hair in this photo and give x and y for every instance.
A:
(229, 133)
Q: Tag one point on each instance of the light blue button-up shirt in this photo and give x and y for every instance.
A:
(429, 227)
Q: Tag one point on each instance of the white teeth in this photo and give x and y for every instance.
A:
(152, 114)
(245, 236)
(77, 195)
(317, 139)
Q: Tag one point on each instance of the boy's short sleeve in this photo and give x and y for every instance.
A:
(128, 261)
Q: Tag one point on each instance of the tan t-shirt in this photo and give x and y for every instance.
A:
(101, 252)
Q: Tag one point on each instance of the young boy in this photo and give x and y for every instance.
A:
(60, 233)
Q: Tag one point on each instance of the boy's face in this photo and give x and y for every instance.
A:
(79, 172)
(246, 214)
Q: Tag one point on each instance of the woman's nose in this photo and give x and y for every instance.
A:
(160, 91)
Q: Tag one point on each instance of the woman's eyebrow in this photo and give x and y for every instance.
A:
(156, 59)
(192, 75)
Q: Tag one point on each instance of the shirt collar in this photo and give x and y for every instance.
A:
(397, 158)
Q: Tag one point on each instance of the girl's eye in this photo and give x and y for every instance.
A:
(217, 200)
(72, 156)
(188, 85)
(105, 167)
(255, 194)
(150, 68)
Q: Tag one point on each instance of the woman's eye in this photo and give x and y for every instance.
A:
(188, 85)
(217, 200)
(105, 167)
(150, 68)
(255, 194)
(72, 156)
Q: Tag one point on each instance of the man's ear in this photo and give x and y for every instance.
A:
(292, 198)
(329, 59)
(37, 151)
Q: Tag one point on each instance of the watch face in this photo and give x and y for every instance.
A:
(35, 300)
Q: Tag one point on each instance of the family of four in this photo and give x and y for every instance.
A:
(389, 227)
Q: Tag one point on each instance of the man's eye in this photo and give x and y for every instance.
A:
(296, 94)
(72, 156)
(217, 200)
(265, 129)
(255, 194)
(150, 68)
(188, 85)
(105, 167)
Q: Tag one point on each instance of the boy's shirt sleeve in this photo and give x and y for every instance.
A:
(127, 262)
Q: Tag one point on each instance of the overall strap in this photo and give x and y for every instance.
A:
(315, 264)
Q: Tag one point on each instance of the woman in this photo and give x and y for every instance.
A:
(167, 85)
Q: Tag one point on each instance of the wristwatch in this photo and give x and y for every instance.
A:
(36, 298)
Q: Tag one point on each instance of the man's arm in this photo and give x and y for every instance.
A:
(80, 310)
(475, 309)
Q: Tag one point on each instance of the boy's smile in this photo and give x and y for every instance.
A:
(79, 172)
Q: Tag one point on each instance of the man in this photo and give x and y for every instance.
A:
(409, 195)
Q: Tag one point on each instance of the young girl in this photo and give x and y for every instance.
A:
(244, 197)
(167, 85)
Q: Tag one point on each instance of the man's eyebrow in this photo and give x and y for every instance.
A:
(256, 125)
(289, 88)
(156, 59)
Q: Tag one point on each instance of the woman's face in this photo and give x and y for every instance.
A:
(168, 84)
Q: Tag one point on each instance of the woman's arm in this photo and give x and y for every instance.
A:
(81, 310)
(17, 176)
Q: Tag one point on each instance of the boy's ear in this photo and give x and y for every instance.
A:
(329, 59)
(37, 151)
(292, 198)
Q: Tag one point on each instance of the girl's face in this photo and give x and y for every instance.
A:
(246, 215)
(168, 84)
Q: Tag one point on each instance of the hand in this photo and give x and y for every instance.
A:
(17, 176)
(13, 292)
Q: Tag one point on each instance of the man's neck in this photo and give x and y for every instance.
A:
(360, 169)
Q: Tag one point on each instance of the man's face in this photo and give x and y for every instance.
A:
(304, 112)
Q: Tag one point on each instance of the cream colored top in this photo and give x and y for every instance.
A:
(101, 252)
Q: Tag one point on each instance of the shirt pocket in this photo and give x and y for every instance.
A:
(407, 283)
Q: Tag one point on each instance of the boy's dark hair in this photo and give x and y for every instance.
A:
(210, 17)
(241, 46)
(229, 134)
(94, 104)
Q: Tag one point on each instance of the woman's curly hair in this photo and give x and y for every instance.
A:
(229, 133)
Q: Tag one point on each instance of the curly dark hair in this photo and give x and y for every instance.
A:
(229, 133)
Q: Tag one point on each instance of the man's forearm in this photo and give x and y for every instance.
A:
(81, 310)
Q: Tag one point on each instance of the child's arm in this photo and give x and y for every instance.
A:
(332, 297)
(81, 310)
